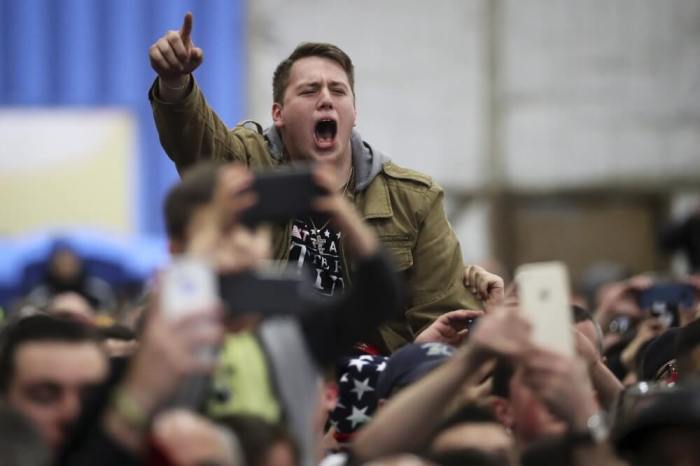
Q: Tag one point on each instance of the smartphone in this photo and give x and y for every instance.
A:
(543, 291)
(188, 285)
(283, 194)
(670, 294)
(272, 289)
(664, 300)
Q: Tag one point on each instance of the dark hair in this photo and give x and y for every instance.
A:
(502, 374)
(257, 436)
(38, 328)
(195, 190)
(688, 338)
(280, 78)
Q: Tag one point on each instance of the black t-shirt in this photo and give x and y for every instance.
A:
(316, 246)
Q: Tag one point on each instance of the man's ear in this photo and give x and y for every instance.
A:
(500, 407)
(277, 115)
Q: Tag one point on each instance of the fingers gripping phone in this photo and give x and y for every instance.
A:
(283, 194)
(543, 290)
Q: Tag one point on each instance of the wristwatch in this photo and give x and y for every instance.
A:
(597, 430)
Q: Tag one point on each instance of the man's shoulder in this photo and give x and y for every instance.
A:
(250, 134)
(406, 178)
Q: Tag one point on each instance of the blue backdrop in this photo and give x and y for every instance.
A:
(95, 53)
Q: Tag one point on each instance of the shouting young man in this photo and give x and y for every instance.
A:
(313, 117)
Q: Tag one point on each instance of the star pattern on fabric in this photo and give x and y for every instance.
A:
(361, 387)
(358, 416)
(357, 400)
(358, 363)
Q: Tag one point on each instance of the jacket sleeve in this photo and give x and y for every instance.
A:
(191, 131)
(436, 278)
(332, 327)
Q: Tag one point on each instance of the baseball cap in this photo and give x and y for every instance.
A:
(410, 363)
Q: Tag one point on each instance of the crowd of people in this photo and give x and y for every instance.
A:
(400, 354)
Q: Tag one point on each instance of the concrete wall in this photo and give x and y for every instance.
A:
(519, 95)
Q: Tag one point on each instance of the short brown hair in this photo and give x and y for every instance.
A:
(195, 190)
(280, 78)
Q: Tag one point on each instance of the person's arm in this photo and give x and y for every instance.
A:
(189, 129)
(408, 420)
(437, 277)
(169, 352)
(606, 385)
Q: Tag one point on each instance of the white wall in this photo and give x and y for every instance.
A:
(587, 93)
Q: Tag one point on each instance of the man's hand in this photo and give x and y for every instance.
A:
(214, 233)
(358, 235)
(174, 56)
(562, 384)
(486, 286)
(450, 328)
(190, 439)
(502, 332)
(170, 351)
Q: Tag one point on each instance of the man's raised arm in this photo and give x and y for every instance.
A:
(189, 129)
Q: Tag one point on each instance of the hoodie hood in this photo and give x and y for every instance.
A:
(366, 160)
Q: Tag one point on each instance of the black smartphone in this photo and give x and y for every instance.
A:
(265, 291)
(283, 194)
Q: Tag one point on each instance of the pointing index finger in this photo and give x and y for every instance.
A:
(186, 29)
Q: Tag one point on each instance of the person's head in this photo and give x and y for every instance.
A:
(185, 200)
(472, 427)
(314, 103)
(263, 443)
(517, 408)
(688, 350)
(662, 428)
(409, 364)
(46, 367)
(64, 264)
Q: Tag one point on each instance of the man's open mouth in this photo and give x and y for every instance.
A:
(324, 133)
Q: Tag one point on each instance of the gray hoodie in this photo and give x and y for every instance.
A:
(366, 160)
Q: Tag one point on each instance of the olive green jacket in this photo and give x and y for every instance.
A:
(403, 206)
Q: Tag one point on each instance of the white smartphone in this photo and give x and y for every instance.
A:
(189, 285)
(544, 294)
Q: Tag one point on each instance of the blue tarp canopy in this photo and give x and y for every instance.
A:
(119, 260)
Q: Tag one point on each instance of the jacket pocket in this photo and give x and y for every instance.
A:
(400, 247)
